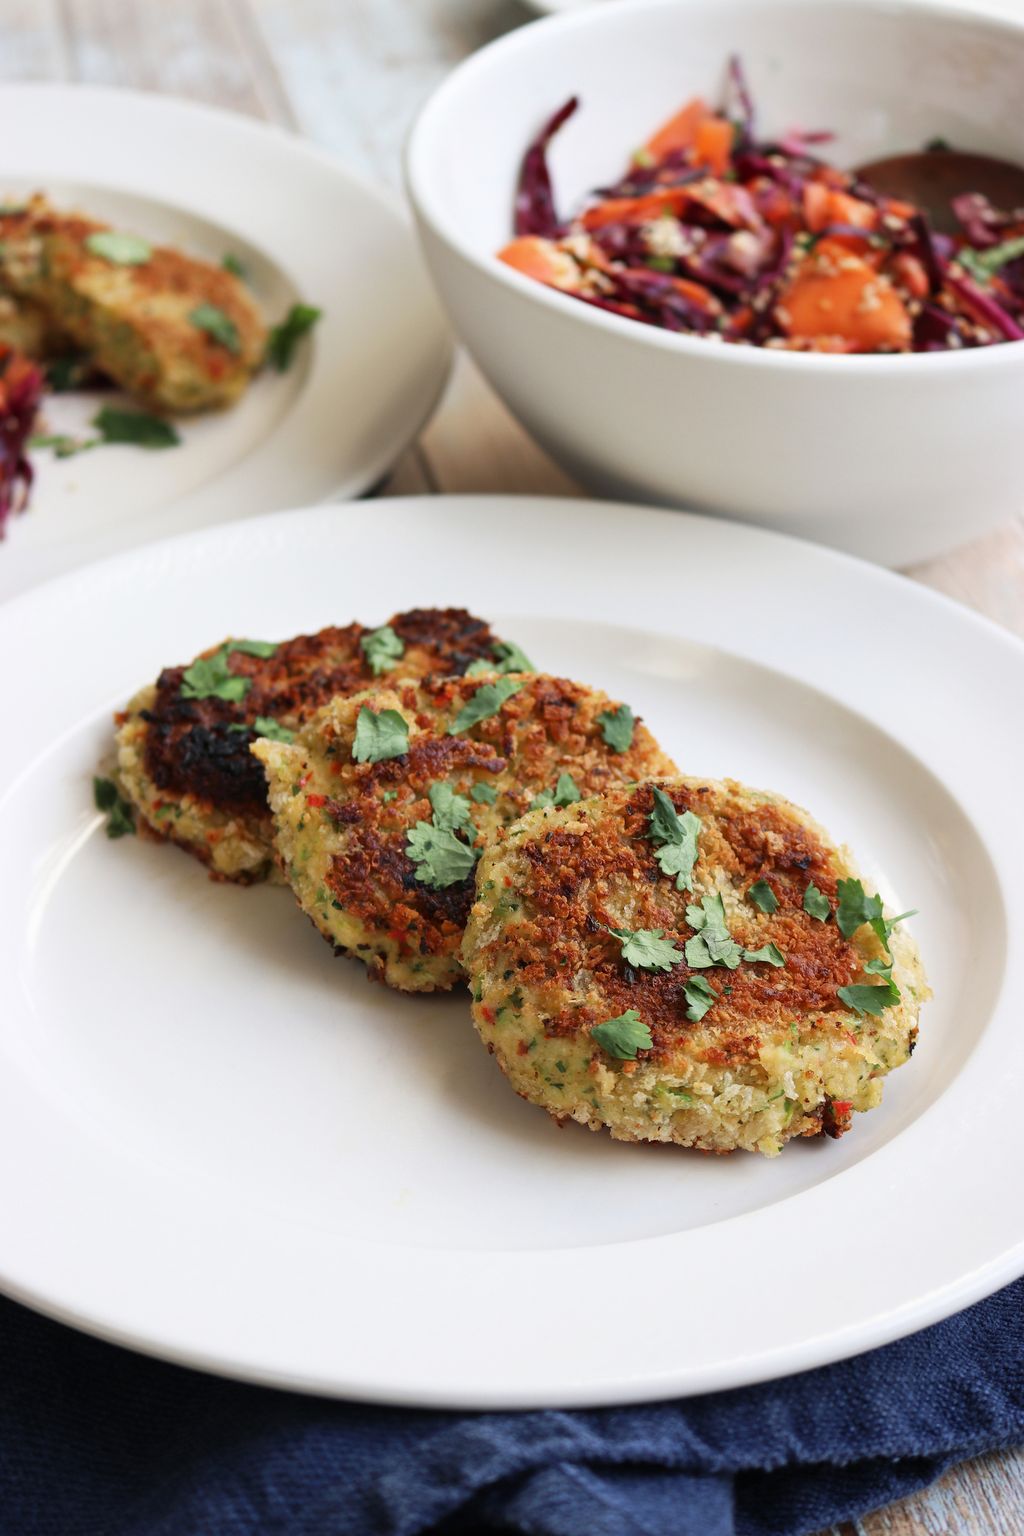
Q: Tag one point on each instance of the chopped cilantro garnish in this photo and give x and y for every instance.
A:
(565, 792)
(217, 325)
(210, 677)
(483, 794)
(120, 815)
(441, 858)
(382, 649)
(856, 908)
(230, 262)
(389, 795)
(647, 948)
(64, 446)
(508, 657)
(870, 999)
(380, 736)
(260, 648)
(712, 943)
(617, 727)
(266, 725)
(67, 372)
(624, 1036)
(700, 995)
(677, 836)
(983, 265)
(451, 811)
(136, 427)
(284, 338)
(122, 250)
(763, 897)
(768, 954)
(485, 702)
(816, 903)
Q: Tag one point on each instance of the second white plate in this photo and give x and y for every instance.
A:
(221, 1144)
(305, 229)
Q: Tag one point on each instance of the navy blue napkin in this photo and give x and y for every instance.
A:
(96, 1441)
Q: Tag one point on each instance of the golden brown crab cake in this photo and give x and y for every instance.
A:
(183, 742)
(383, 802)
(690, 962)
(178, 333)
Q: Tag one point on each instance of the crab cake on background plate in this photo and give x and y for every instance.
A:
(383, 802)
(183, 742)
(690, 962)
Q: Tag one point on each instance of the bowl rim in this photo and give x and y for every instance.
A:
(429, 210)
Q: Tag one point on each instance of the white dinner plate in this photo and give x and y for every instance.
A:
(305, 229)
(223, 1145)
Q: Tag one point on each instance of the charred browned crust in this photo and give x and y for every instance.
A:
(194, 746)
(577, 884)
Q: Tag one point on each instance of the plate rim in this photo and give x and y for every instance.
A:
(909, 1315)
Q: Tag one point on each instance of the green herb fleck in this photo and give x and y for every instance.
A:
(231, 263)
(284, 338)
(763, 897)
(389, 795)
(266, 725)
(617, 727)
(380, 736)
(565, 792)
(441, 858)
(68, 372)
(857, 908)
(122, 250)
(261, 648)
(677, 839)
(624, 1036)
(816, 903)
(382, 649)
(217, 325)
(451, 811)
(483, 794)
(983, 265)
(136, 427)
(647, 948)
(508, 657)
(870, 999)
(700, 995)
(485, 702)
(120, 815)
(712, 944)
(660, 263)
(210, 677)
(768, 954)
(64, 447)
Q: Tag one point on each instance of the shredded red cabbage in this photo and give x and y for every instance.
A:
(535, 202)
(21, 385)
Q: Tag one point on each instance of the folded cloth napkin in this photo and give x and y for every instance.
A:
(96, 1441)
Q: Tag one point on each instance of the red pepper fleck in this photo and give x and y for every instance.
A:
(488, 1014)
(316, 800)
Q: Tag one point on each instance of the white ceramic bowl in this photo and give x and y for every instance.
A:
(896, 458)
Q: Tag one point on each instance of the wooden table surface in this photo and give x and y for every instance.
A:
(350, 74)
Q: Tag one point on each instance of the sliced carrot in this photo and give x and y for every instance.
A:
(698, 294)
(636, 210)
(542, 259)
(836, 294)
(712, 144)
(911, 272)
(825, 205)
(679, 132)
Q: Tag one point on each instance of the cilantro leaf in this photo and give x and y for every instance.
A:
(510, 658)
(285, 337)
(622, 1037)
(210, 677)
(483, 794)
(617, 727)
(64, 446)
(69, 371)
(768, 954)
(855, 907)
(983, 265)
(260, 648)
(712, 944)
(231, 263)
(763, 897)
(380, 736)
(699, 995)
(647, 948)
(121, 250)
(217, 325)
(135, 427)
(485, 702)
(677, 836)
(382, 649)
(870, 999)
(816, 903)
(265, 725)
(451, 811)
(441, 858)
(565, 792)
(119, 812)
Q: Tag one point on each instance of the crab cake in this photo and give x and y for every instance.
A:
(692, 962)
(383, 802)
(183, 742)
(179, 334)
